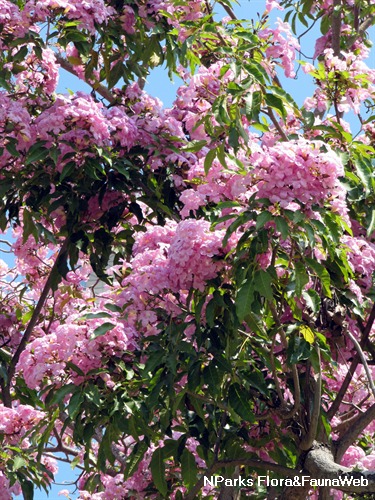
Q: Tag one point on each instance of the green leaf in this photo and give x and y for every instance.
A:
(27, 489)
(312, 300)
(112, 307)
(371, 226)
(74, 405)
(239, 402)
(256, 380)
(323, 275)
(11, 148)
(67, 170)
(96, 315)
(37, 152)
(105, 450)
(244, 299)
(135, 458)
(115, 74)
(194, 146)
(248, 105)
(18, 462)
(157, 467)
(21, 54)
(220, 152)
(282, 227)
(263, 284)
(211, 376)
(63, 391)
(102, 330)
(364, 172)
(188, 468)
(210, 156)
(29, 227)
(276, 103)
(302, 278)
(262, 219)
(298, 349)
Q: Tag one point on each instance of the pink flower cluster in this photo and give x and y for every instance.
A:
(17, 421)
(297, 171)
(40, 73)
(356, 457)
(361, 256)
(283, 46)
(167, 261)
(15, 122)
(47, 355)
(192, 255)
(356, 78)
(87, 12)
(195, 100)
(11, 21)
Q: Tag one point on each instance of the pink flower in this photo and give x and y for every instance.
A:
(273, 4)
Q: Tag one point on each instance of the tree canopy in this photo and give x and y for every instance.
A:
(193, 288)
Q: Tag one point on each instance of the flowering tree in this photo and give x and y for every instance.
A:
(232, 236)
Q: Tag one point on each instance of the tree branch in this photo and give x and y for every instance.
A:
(320, 464)
(98, 87)
(344, 387)
(308, 440)
(229, 11)
(276, 124)
(336, 27)
(297, 389)
(363, 359)
(363, 27)
(353, 432)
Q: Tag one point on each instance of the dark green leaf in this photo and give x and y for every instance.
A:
(364, 172)
(276, 103)
(263, 284)
(302, 278)
(323, 275)
(210, 156)
(27, 489)
(244, 299)
(105, 450)
(239, 402)
(262, 219)
(134, 459)
(282, 227)
(36, 152)
(188, 468)
(102, 330)
(157, 467)
(115, 74)
(312, 299)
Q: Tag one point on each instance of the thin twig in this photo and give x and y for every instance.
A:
(276, 124)
(336, 27)
(344, 387)
(363, 359)
(297, 390)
